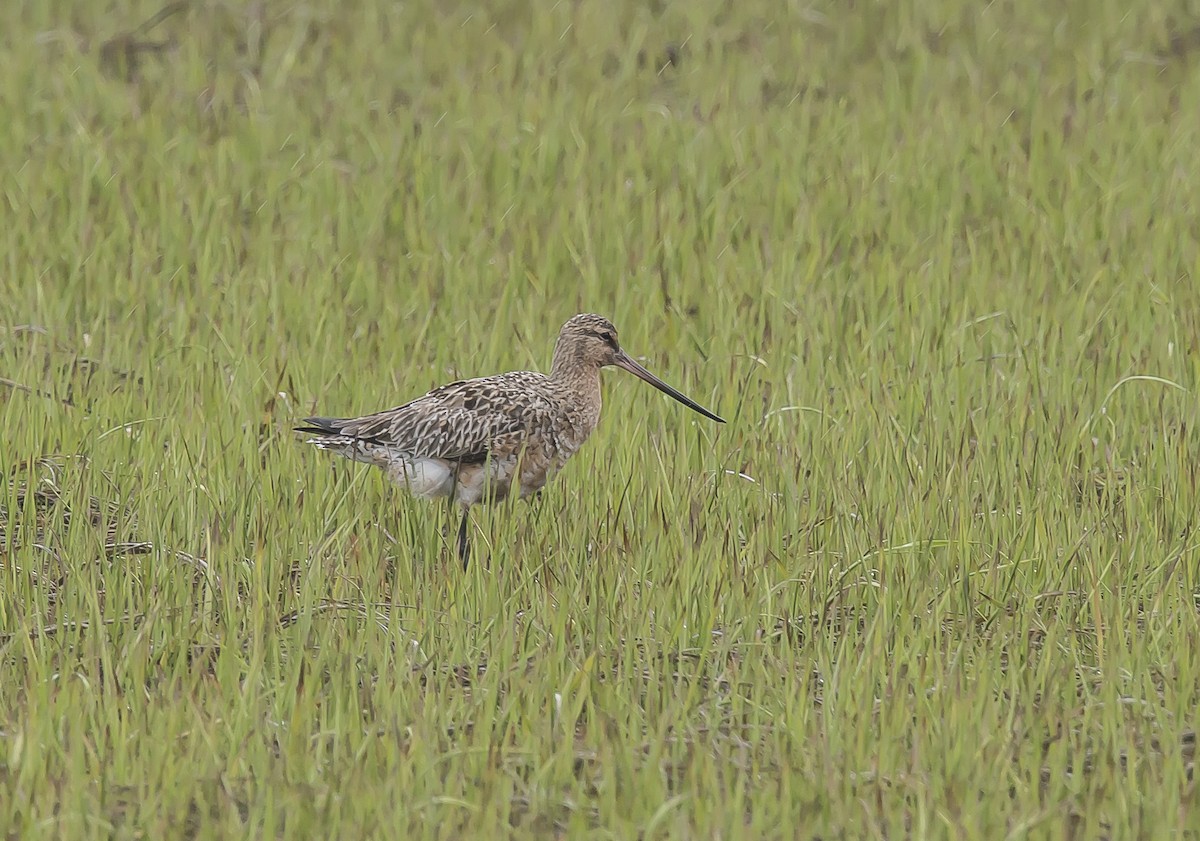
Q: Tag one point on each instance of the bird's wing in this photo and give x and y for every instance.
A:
(461, 421)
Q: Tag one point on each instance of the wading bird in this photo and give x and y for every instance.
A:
(492, 438)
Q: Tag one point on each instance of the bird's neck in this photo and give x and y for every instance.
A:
(583, 379)
(568, 365)
(577, 380)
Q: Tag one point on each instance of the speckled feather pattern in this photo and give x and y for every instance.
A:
(491, 438)
(475, 439)
(470, 426)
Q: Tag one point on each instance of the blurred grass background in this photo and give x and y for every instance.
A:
(935, 261)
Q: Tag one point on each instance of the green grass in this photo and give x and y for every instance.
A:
(936, 262)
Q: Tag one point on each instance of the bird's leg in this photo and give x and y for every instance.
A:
(464, 549)
(536, 504)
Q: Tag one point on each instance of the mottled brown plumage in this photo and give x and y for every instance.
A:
(491, 438)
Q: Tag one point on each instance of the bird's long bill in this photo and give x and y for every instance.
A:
(626, 362)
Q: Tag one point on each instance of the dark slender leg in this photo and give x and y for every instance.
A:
(464, 550)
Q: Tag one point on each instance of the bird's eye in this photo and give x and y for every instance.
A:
(608, 338)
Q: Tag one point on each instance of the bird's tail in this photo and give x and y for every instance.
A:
(323, 427)
(329, 434)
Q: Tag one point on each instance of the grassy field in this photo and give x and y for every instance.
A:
(935, 262)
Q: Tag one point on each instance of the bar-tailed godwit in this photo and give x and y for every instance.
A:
(491, 438)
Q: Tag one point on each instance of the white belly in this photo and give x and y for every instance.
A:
(433, 478)
(490, 482)
(427, 478)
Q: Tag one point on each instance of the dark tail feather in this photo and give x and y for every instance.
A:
(329, 434)
(320, 426)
